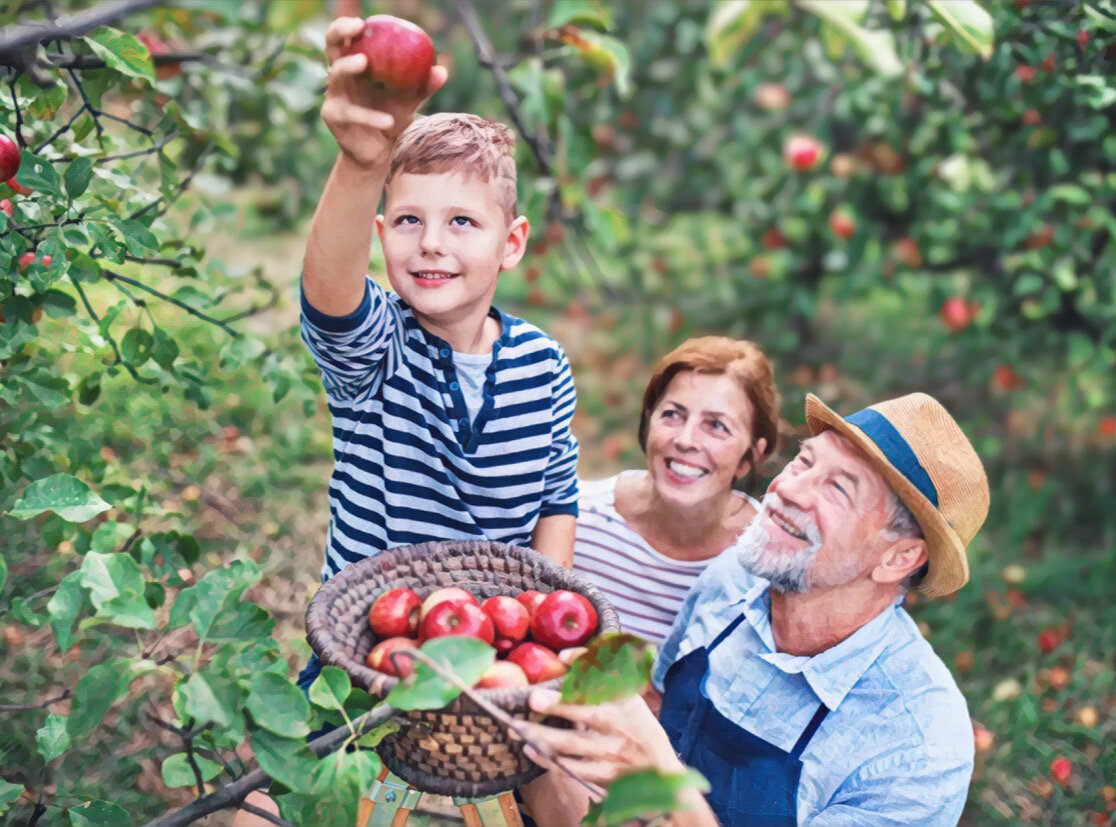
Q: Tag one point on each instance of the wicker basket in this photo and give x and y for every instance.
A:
(459, 750)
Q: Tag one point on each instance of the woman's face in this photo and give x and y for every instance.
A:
(698, 438)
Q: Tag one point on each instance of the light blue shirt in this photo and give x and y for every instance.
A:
(897, 745)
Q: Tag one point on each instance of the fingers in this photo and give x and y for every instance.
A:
(340, 34)
(600, 717)
(338, 113)
(438, 77)
(568, 656)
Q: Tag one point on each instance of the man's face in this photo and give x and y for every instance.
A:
(822, 518)
(445, 240)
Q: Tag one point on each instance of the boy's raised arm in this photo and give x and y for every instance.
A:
(366, 128)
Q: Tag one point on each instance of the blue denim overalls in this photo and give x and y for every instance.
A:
(752, 781)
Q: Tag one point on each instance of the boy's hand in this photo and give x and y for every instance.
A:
(365, 123)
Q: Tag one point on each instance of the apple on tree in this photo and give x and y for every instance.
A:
(563, 619)
(802, 152)
(395, 613)
(400, 54)
(9, 158)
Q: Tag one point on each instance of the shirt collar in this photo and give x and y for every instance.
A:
(832, 673)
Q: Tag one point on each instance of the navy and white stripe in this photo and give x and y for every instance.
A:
(409, 465)
(646, 587)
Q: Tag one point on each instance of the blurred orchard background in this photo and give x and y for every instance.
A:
(886, 196)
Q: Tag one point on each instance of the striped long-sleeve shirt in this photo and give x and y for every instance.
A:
(646, 587)
(409, 465)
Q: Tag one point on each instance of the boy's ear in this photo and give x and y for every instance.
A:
(380, 227)
(516, 244)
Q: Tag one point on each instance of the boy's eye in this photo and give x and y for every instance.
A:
(462, 221)
(406, 219)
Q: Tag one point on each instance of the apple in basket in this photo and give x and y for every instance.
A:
(563, 619)
(457, 618)
(537, 662)
(451, 593)
(395, 613)
(380, 658)
(503, 674)
(530, 600)
(510, 619)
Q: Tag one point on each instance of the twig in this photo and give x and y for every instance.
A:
(264, 814)
(83, 62)
(232, 795)
(112, 276)
(510, 723)
(43, 705)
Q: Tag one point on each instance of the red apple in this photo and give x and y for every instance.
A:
(563, 619)
(395, 613)
(1025, 73)
(502, 675)
(1061, 770)
(510, 618)
(26, 260)
(842, 224)
(17, 188)
(9, 158)
(1047, 640)
(530, 600)
(1006, 378)
(451, 593)
(457, 618)
(801, 152)
(157, 46)
(400, 54)
(1107, 426)
(47, 260)
(1082, 38)
(380, 658)
(982, 739)
(6, 207)
(538, 663)
(956, 313)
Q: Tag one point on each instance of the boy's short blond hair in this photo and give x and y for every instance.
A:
(459, 142)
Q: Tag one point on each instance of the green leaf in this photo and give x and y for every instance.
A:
(135, 346)
(164, 349)
(64, 607)
(278, 705)
(98, 814)
(116, 588)
(608, 56)
(875, 48)
(579, 13)
(731, 25)
(287, 760)
(201, 603)
(52, 739)
(77, 177)
(468, 657)
(331, 688)
(40, 175)
(58, 305)
(8, 793)
(3, 572)
(65, 495)
(95, 694)
(122, 52)
(46, 102)
(643, 793)
(969, 23)
(178, 773)
(373, 737)
(898, 9)
(201, 704)
(616, 665)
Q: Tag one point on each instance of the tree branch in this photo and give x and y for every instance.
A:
(43, 705)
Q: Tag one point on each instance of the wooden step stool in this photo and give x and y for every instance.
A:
(391, 801)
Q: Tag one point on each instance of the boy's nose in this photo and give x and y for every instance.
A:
(431, 240)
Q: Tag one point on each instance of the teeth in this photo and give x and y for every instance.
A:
(787, 527)
(426, 274)
(684, 470)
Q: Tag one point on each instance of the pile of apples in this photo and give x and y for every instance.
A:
(528, 631)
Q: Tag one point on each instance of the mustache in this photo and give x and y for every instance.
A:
(799, 518)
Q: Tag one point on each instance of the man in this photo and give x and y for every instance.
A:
(809, 695)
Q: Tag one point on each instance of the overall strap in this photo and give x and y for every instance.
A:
(811, 728)
(725, 633)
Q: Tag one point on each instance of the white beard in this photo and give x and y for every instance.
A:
(788, 572)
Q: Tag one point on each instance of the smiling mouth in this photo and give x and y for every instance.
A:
(433, 276)
(786, 525)
(681, 469)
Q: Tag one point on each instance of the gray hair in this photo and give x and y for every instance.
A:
(901, 525)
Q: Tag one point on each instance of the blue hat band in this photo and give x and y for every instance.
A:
(897, 450)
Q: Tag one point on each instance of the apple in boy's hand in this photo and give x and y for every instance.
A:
(395, 613)
(510, 618)
(563, 619)
(530, 600)
(537, 662)
(457, 618)
(502, 675)
(380, 658)
(400, 54)
(451, 593)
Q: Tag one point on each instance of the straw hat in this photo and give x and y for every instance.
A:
(927, 460)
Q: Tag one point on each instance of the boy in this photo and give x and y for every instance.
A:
(450, 418)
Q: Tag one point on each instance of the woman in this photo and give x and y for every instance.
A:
(709, 419)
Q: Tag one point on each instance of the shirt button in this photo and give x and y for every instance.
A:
(445, 353)
(454, 386)
(463, 422)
